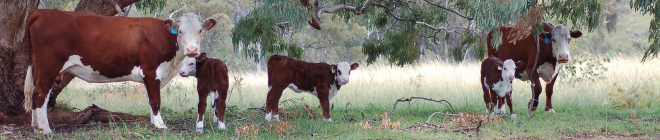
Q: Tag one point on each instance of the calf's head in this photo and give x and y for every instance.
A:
(342, 72)
(508, 68)
(189, 28)
(189, 65)
(561, 39)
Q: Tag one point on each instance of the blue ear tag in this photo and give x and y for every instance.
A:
(547, 40)
(173, 31)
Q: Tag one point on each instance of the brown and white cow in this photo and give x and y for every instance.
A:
(319, 79)
(496, 79)
(100, 49)
(213, 81)
(550, 55)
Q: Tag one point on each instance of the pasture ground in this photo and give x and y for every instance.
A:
(586, 109)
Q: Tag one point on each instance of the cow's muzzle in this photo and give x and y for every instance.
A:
(192, 52)
(563, 58)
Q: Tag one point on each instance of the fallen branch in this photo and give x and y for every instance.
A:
(411, 98)
(428, 120)
(352, 118)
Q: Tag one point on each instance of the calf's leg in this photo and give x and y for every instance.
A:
(220, 106)
(201, 109)
(272, 99)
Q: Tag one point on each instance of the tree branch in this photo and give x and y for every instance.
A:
(184, 6)
(442, 7)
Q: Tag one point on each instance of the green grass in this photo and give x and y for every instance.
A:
(584, 109)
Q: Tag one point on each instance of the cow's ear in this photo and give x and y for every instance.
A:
(201, 57)
(208, 24)
(170, 23)
(354, 66)
(334, 68)
(499, 66)
(576, 34)
(547, 35)
(520, 64)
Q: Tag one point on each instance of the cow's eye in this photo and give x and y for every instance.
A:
(190, 64)
(339, 72)
(200, 31)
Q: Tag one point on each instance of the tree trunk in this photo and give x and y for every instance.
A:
(13, 53)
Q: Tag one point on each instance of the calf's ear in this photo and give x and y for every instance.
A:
(520, 64)
(576, 34)
(499, 66)
(334, 68)
(354, 66)
(201, 57)
(170, 23)
(208, 24)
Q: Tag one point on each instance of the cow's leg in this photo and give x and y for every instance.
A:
(201, 109)
(272, 100)
(501, 104)
(510, 104)
(60, 83)
(221, 105)
(325, 103)
(44, 80)
(548, 94)
(537, 91)
(153, 92)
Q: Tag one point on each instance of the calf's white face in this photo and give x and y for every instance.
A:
(189, 28)
(188, 67)
(508, 68)
(561, 42)
(343, 71)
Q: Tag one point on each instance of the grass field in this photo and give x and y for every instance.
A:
(584, 109)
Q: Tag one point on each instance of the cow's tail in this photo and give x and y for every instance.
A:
(28, 87)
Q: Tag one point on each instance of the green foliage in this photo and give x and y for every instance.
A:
(259, 28)
(397, 46)
(578, 13)
(150, 5)
(650, 7)
(633, 99)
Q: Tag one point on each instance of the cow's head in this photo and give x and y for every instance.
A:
(342, 72)
(561, 39)
(508, 68)
(189, 65)
(189, 28)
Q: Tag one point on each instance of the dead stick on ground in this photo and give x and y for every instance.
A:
(428, 120)
(346, 111)
(411, 98)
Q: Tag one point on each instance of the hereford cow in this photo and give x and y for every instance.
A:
(554, 49)
(212, 80)
(496, 79)
(101, 49)
(319, 79)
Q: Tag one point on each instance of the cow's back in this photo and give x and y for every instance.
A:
(212, 75)
(523, 50)
(111, 45)
(284, 70)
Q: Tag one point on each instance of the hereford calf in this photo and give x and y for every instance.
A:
(212, 80)
(319, 79)
(496, 82)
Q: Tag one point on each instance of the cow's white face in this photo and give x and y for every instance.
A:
(561, 42)
(508, 68)
(343, 71)
(189, 28)
(188, 67)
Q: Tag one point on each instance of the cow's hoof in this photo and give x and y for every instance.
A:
(200, 126)
(551, 111)
(221, 125)
(328, 120)
(514, 117)
(502, 110)
(268, 117)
